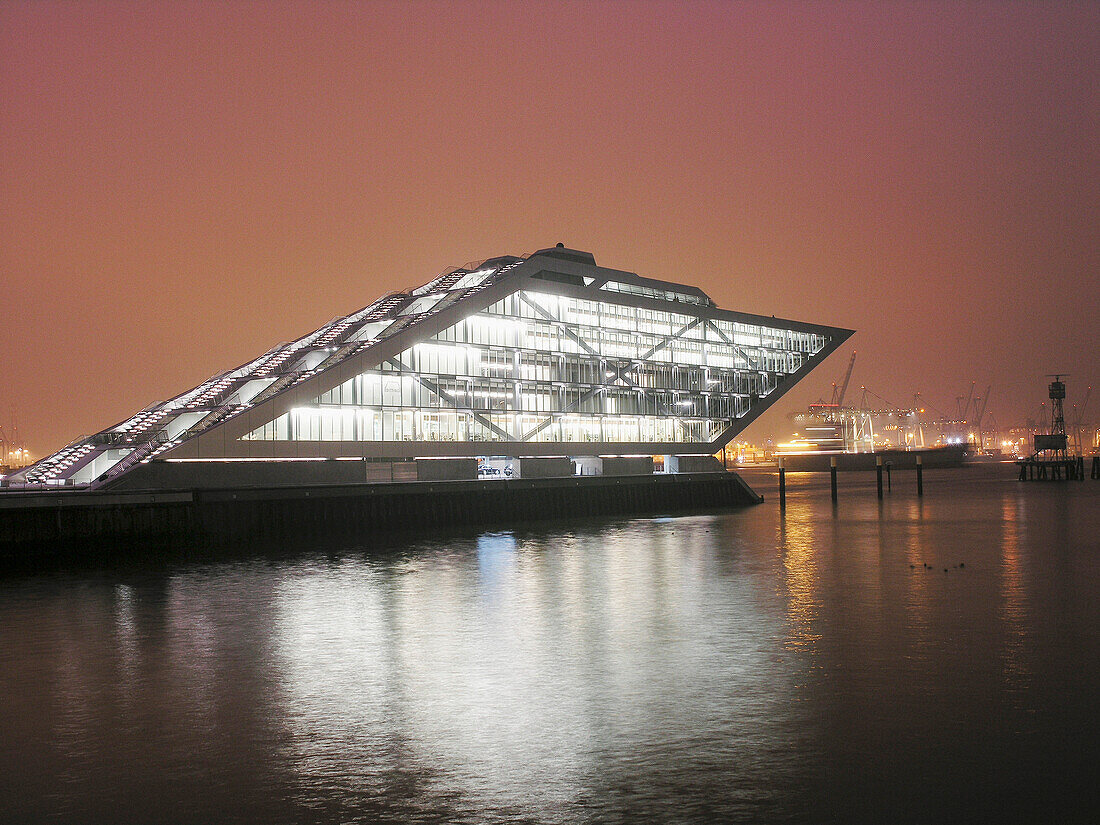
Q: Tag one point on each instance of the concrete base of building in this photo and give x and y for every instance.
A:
(214, 474)
(199, 475)
(446, 469)
(36, 528)
(693, 464)
(210, 474)
(613, 465)
(627, 465)
(543, 467)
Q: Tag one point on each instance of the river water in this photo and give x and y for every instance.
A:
(915, 660)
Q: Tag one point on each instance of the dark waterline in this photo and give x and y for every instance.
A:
(905, 661)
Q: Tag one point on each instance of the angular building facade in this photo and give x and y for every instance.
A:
(549, 355)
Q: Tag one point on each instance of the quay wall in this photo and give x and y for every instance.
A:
(73, 523)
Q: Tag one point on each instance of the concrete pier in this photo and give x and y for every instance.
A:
(69, 524)
(1052, 469)
(932, 458)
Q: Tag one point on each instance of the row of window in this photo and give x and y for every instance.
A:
(396, 389)
(575, 368)
(604, 315)
(544, 336)
(319, 424)
(649, 292)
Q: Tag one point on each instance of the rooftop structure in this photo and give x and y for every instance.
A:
(547, 355)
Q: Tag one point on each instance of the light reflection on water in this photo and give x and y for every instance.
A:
(512, 674)
(813, 665)
(796, 543)
(1014, 602)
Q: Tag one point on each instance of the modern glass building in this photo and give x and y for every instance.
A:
(517, 357)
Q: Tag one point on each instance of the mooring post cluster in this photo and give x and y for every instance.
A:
(880, 466)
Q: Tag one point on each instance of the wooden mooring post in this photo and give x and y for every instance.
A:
(832, 476)
(782, 485)
(920, 477)
(878, 472)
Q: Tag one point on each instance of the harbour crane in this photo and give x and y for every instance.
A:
(979, 413)
(1078, 417)
(993, 428)
(13, 452)
(920, 403)
(838, 397)
(959, 408)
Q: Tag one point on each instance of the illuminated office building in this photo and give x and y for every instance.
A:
(548, 355)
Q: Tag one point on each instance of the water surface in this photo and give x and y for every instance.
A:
(915, 660)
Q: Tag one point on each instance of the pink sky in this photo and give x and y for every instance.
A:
(184, 185)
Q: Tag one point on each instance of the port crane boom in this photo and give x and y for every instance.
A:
(1078, 417)
(979, 413)
(961, 410)
(838, 397)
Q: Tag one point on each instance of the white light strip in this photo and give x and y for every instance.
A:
(237, 460)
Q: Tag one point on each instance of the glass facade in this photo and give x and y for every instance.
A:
(542, 350)
(541, 367)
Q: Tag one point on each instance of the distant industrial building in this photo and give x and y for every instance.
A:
(544, 365)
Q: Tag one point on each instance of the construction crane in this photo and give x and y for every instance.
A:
(838, 397)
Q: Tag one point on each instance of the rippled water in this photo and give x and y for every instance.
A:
(743, 666)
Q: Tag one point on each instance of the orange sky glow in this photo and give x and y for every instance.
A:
(183, 185)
